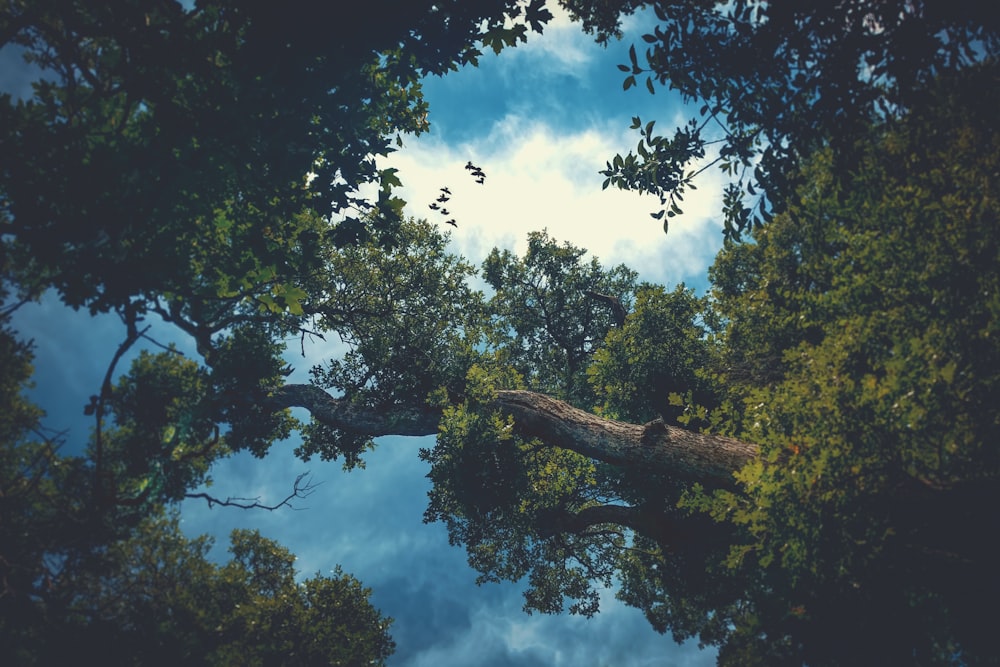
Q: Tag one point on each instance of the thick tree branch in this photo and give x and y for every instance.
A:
(612, 302)
(708, 459)
(346, 416)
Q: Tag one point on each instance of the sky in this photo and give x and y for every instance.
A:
(541, 120)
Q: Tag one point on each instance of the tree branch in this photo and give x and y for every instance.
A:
(699, 457)
(612, 302)
(299, 490)
(671, 532)
(346, 416)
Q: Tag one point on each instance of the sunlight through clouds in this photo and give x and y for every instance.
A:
(538, 178)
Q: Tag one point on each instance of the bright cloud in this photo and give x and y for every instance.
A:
(539, 178)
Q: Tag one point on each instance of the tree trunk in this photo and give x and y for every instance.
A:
(697, 457)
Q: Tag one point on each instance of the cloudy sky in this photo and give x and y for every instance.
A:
(541, 120)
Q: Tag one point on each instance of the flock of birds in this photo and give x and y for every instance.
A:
(445, 196)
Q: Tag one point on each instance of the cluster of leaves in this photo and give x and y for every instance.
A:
(199, 162)
(548, 315)
(500, 497)
(657, 360)
(854, 339)
(862, 329)
(91, 563)
(411, 323)
(774, 83)
(158, 600)
(525, 509)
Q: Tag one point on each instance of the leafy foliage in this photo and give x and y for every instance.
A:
(548, 322)
(871, 504)
(775, 82)
(661, 352)
(157, 599)
(201, 163)
(204, 166)
(496, 493)
(411, 322)
(92, 565)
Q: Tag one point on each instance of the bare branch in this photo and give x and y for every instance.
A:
(168, 348)
(299, 490)
(617, 309)
(302, 338)
(8, 310)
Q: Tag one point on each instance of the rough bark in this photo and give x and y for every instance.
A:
(708, 459)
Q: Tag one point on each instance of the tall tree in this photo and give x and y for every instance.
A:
(197, 162)
(110, 577)
(856, 350)
(856, 462)
(553, 311)
(201, 164)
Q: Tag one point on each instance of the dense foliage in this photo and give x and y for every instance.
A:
(200, 163)
(863, 355)
(205, 165)
(772, 82)
(103, 571)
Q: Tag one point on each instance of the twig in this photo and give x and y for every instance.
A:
(299, 490)
(168, 348)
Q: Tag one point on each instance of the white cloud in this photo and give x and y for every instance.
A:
(539, 178)
(562, 47)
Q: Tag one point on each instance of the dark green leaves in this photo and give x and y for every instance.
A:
(789, 79)
(856, 352)
(658, 166)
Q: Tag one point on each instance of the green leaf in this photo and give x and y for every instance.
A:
(388, 178)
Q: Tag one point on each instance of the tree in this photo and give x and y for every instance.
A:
(199, 164)
(202, 165)
(876, 292)
(157, 599)
(553, 311)
(105, 572)
(774, 82)
(841, 489)
(854, 348)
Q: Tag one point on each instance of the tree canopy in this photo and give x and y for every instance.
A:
(774, 82)
(798, 467)
(200, 163)
(851, 341)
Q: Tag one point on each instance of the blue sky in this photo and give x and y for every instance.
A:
(541, 120)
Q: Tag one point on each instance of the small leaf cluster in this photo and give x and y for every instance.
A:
(662, 351)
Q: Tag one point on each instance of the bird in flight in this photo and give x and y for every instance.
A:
(452, 223)
(476, 172)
